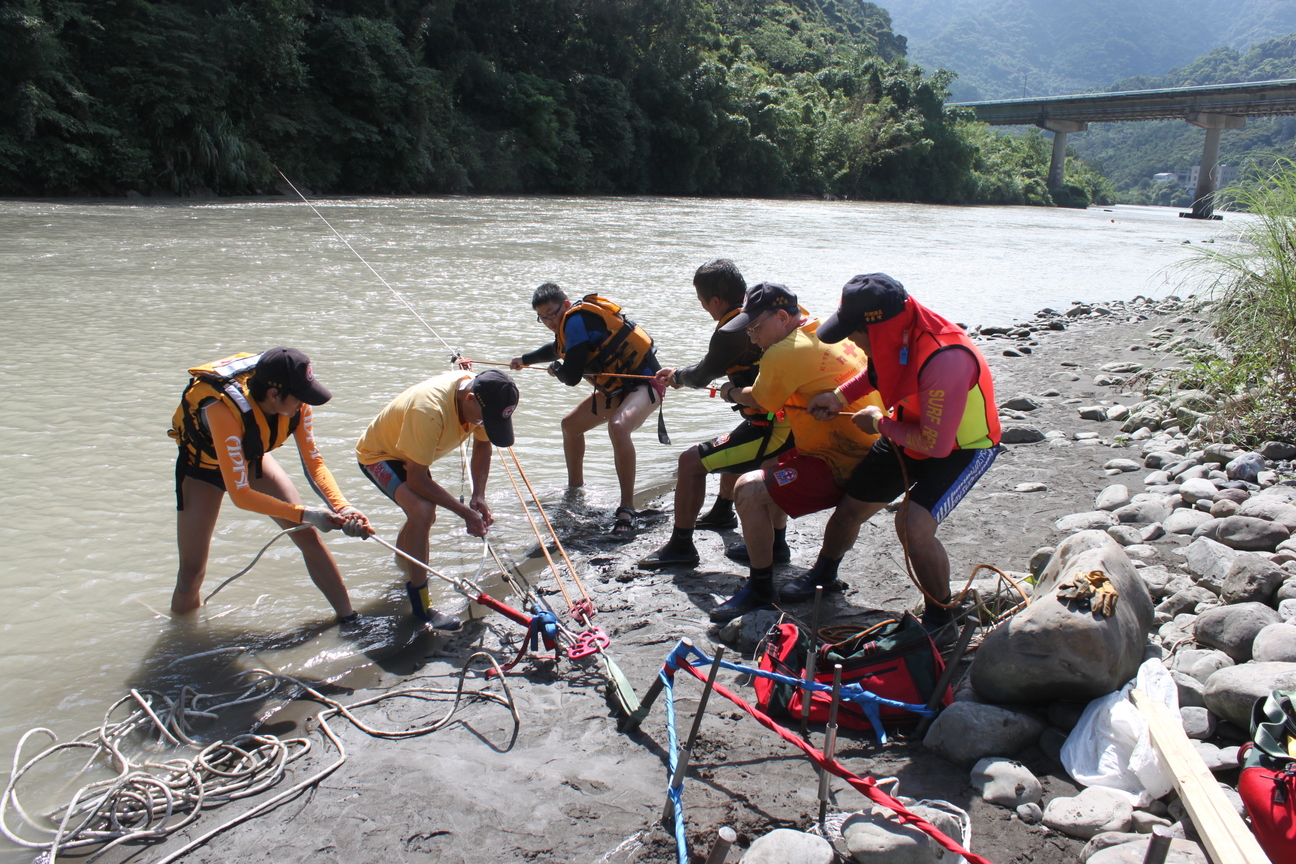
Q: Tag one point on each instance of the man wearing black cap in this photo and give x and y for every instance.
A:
(418, 427)
(232, 414)
(796, 367)
(943, 424)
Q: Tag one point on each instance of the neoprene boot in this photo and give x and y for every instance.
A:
(755, 594)
(824, 572)
(720, 517)
(679, 551)
(782, 553)
(422, 606)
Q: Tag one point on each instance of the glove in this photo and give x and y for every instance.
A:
(1094, 586)
(319, 518)
(355, 523)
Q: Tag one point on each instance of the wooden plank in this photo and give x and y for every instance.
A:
(1226, 837)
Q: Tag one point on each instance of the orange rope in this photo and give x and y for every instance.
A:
(536, 528)
(549, 525)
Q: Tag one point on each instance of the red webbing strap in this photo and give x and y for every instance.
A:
(866, 785)
(505, 610)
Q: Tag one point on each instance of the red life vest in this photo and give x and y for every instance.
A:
(899, 349)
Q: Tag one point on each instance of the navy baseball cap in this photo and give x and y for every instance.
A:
(498, 396)
(868, 299)
(289, 371)
(762, 298)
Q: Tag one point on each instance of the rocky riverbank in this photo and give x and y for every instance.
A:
(1192, 536)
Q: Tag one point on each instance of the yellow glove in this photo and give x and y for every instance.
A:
(1104, 598)
(1096, 587)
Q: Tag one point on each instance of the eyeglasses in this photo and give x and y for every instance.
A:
(755, 324)
(545, 319)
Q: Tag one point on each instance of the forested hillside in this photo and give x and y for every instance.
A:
(1131, 153)
(1012, 48)
(732, 97)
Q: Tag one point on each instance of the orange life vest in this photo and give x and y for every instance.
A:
(226, 381)
(626, 349)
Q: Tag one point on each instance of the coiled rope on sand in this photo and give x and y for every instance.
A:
(151, 798)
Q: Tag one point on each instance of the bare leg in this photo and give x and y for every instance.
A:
(727, 484)
(930, 561)
(690, 488)
(756, 511)
(194, 527)
(420, 516)
(320, 565)
(578, 421)
(625, 419)
(844, 525)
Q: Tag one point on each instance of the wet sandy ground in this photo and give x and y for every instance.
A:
(572, 788)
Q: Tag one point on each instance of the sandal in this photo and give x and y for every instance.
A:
(624, 524)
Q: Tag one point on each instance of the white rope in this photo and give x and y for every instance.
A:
(412, 310)
(254, 560)
(151, 798)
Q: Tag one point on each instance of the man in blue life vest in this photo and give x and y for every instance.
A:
(940, 435)
(594, 340)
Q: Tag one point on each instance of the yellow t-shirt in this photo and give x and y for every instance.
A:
(800, 367)
(420, 425)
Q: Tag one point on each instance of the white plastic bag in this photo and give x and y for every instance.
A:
(1110, 745)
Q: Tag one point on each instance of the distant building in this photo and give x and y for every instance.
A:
(1165, 177)
(1224, 175)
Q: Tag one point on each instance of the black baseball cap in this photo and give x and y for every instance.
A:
(762, 298)
(289, 370)
(868, 299)
(498, 396)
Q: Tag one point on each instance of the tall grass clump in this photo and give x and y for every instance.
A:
(1252, 286)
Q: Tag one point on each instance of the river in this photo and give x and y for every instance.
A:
(106, 304)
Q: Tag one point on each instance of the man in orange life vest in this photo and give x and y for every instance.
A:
(595, 341)
(943, 423)
(226, 428)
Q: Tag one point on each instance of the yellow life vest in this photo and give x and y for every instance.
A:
(626, 348)
(225, 381)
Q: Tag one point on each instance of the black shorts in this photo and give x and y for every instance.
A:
(387, 476)
(935, 484)
(745, 448)
(183, 469)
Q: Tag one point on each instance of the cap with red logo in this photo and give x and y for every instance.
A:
(498, 397)
(289, 371)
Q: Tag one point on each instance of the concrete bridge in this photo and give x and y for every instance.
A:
(1214, 108)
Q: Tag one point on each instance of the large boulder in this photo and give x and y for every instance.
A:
(1006, 783)
(1112, 498)
(1231, 692)
(1248, 532)
(1093, 811)
(1209, 562)
(1245, 467)
(876, 836)
(785, 846)
(1184, 521)
(1252, 578)
(1180, 852)
(1091, 520)
(967, 732)
(1059, 649)
(1200, 663)
(1277, 643)
(1142, 512)
(1232, 629)
(1271, 508)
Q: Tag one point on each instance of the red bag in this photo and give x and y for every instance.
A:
(1268, 781)
(896, 660)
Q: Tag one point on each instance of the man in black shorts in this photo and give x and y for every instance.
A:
(942, 433)
(720, 289)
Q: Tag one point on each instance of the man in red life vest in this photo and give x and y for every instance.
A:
(943, 422)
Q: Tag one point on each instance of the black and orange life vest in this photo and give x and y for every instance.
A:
(226, 381)
(627, 348)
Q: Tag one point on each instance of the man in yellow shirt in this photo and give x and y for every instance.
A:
(418, 427)
(795, 367)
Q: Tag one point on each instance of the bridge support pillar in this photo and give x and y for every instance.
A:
(1060, 130)
(1203, 205)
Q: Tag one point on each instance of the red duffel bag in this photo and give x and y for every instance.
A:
(1268, 781)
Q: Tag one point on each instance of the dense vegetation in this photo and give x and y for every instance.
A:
(738, 97)
(1131, 153)
(1011, 48)
(1253, 286)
